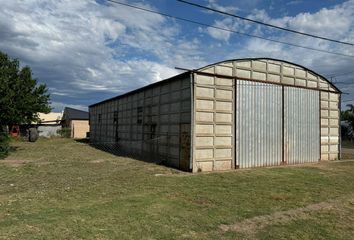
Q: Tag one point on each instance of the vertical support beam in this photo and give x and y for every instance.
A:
(340, 128)
(168, 134)
(158, 126)
(283, 124)
(236, 166)
(319, 118)
(191, 161)
(180, 124)
(142, 123)
(131, 122)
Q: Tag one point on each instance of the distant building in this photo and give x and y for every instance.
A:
(77, 121)
(49, 124)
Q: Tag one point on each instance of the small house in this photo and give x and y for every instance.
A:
(77, 121)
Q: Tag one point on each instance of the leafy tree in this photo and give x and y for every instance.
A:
(348, 116)
(21, 98)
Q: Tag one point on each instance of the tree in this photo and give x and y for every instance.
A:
(21, 98)
(348, 116)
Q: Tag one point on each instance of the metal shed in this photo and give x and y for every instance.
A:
(233, 114)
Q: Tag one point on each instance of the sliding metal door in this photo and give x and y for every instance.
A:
(301, 125)
(258, 124)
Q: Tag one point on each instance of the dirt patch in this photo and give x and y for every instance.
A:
(98, 161)
(15, 162)
(252, 225)
(19, 163)
(202, 202)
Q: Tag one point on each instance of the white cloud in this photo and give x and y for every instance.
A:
(333, 23)
(226, 23)
(336, 22)
(215, 5)
(82, 46)
(294, 2)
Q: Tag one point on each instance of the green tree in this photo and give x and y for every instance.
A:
(21, 98)
(348, 116)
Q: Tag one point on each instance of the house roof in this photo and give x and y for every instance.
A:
(52, 116)
(75, 114)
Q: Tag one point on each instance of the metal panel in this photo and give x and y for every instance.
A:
(301, 125)
(259, 124)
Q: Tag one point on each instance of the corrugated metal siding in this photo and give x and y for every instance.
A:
(301, 125)
(259, 124)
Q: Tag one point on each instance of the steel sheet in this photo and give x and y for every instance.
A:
(301, 126)
(259, 124)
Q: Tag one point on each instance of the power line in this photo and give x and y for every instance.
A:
(344, 83)
(265, 24)
(228, 30)
(348, 100)
(341, 74)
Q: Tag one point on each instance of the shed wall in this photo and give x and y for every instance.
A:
(153, 123)
(329, 126)
(157, 121)
(206, 156)
(213, 123)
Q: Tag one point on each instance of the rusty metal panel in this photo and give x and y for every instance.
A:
(301, 125)
(258, 124)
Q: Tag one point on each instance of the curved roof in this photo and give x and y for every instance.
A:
(313, 75)
(271, 60)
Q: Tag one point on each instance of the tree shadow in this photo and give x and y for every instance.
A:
(10, 150)
(13, 149)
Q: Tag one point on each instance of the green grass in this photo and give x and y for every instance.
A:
(62, 189)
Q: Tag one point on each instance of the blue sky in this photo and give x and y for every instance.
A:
(87, 51)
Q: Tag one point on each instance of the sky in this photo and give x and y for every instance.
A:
(86, 51)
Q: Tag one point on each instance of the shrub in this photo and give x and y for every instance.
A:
(64, 132)
(4, 144)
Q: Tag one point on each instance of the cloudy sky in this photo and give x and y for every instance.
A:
(87, 50)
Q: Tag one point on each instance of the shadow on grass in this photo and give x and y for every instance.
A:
(83, 140)
(13, 149)
(113, 148)
(9, 151)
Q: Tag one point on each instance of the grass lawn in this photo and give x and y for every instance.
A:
(62, 189)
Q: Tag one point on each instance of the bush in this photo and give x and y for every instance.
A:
(4, 144)
(64, 132)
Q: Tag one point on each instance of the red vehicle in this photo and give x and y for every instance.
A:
(15, 131)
